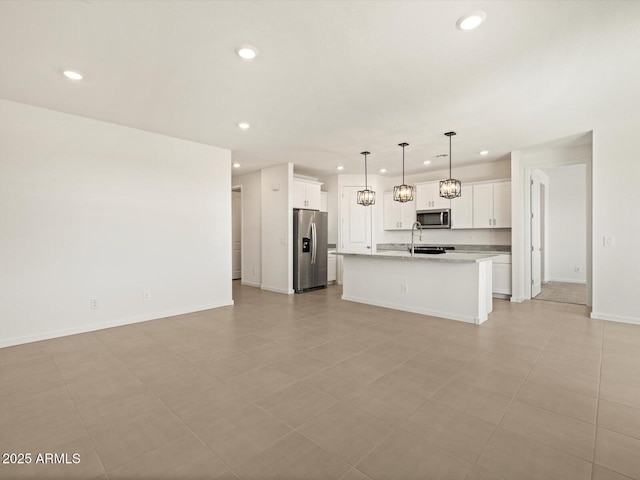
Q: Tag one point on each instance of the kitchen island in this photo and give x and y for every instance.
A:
(456, 286)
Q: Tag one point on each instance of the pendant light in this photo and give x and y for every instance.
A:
(366, 197)
(403, 193)
(450, 188)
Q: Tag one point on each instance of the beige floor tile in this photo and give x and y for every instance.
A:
(260, 383)
(297, 404)
(346, 432)
(300, 365)
(618, 392)
(619, 418)
(513, 456)
(354, 474)
(422, 383)
(404, 456)
(601, 473)
(121, 442)
(504, 363)
(31, 405)
(233, 366)
(558, 431)
(553, 377)
(478, 473)
(293, 457)
(559, 400)
(429, 360)
(336, 382)
(472, 400)
(183, 458)
(389, 404)
(125, 406)
(492, 380)
(106, 389)
(618, 452)
(238, 434)
(586, 363)
(462, 435)
(336, 350)
(271, 352)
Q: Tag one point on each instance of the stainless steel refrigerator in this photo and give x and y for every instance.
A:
(309, 250)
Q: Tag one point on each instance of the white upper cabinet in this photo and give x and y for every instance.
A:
(306, 194)
(428, 197)
(492, 205)
(396, 215)
(462, 209)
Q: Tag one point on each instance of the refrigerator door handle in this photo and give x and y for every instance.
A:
(314, 240)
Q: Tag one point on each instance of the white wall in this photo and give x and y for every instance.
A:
(91, 210)
(566, 222)
(616, 197)
(277, 228)
(251, 227)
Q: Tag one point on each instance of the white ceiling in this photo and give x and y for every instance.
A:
(332, 78)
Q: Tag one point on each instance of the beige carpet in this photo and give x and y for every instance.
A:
(564, 292)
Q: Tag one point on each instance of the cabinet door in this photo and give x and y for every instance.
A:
(299, 194)
(407, 214)
(390, 212)
(331, 268)
(483, 205)
(313, 196)
(462, 209)
(423, 196)
(502, 205)
(502, 278)
(438, 201)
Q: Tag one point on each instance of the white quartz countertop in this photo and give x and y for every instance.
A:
(443, 257)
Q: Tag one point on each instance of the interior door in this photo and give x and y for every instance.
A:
(355, 232)
(236, 234)
(536, 258)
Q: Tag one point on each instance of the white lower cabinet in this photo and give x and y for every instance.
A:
(502, 275)
(332, 267)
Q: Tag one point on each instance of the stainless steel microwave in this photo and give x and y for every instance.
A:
(434, 218)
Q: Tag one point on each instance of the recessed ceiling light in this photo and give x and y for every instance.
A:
(243, 125)
(236, 165)
(426, 162)
(383, 170)
(71, 75)
(471, 20)
(340, 167)
(247, 52)
(483, 152)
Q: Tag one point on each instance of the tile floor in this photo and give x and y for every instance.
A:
(564, 292)
(311, 387)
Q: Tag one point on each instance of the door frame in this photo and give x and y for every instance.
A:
(238, 188)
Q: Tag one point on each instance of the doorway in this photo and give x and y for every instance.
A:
(236, 233)
(558, 234)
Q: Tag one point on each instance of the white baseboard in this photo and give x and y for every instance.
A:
(92, 327)
(567, 280)
(615, 318)
(249, 284)
(277, 290)
(518, 299)
(422, 311)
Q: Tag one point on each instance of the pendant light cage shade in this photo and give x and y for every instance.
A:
(450, 188)
(366, 197)
(403, 193)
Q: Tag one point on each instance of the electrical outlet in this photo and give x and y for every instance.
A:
(93, 304)
(578, 269)
(404, 288)
(608, 241)
(145, 296)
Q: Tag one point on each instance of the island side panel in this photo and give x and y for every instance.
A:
(454, 290)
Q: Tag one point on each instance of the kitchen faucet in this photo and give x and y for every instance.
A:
(419, 225)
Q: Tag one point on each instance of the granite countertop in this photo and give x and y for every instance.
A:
(454, 257)
(480, 249)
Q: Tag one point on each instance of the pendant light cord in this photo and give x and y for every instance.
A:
(403, 164)
(450, 176)
(366, 183)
